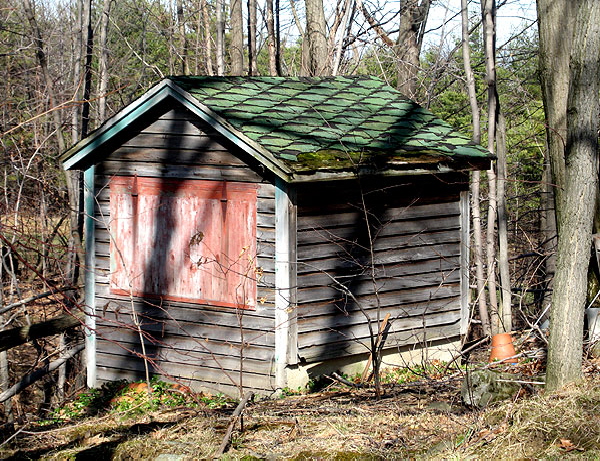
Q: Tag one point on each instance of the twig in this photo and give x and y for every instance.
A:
(14, 435)
(234, 418)
(335, 377)
(45, 294)
(378, 346)
(465, 352)
(519, 381)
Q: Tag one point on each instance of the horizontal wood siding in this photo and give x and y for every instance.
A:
(407, 264)
(199, 345)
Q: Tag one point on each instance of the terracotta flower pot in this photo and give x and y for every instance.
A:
(502, 348)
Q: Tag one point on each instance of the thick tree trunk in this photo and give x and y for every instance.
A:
(413, 17)
(550, 235)
(315, 53)
(271, 39)
(236, 48)
(555, 23)
(207, 37)
(576, 207)
(252, 63)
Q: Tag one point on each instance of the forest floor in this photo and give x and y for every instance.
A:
(422, 418)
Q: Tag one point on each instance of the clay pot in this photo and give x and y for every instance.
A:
(502, 348)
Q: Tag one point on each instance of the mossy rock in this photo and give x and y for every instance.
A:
(481, 388)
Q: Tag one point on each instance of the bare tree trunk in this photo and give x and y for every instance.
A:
(252, 64)
(413, 17)
(103, 76)
(477, 249)
(87, 68)
(41, 57)
(576, 206)
(278, 40)
(271, 39)
(185, 65)
(315, 61)
(77, 81)
(220, 38)
(4, 365)
(488, 11)
(339, 50)
(207, 37)
(503, 267)
(236, 48)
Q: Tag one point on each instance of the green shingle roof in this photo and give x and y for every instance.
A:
(329, 123)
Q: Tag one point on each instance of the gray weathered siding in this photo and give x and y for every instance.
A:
(199, 345)
(416, 247)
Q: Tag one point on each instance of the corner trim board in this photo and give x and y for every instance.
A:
(465, 231)
(90, 275)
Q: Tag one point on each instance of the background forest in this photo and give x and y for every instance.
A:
(67, 65)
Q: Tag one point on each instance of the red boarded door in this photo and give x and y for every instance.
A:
(184, 240)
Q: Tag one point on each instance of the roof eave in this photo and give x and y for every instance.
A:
(408, 169)
(78, 155)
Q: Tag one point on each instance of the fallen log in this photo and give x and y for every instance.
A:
(17, 336)
(35, 375)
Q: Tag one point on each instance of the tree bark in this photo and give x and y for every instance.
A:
(576, 207)
(413, 17)
(503, 266)
(271, 39)
(315, 52)
(488, 18)
(252, 63)
(103, 76)
(185, 65)
(236, 48)
(220, 38)
(555, 23)
(207, 37)
(339, 49)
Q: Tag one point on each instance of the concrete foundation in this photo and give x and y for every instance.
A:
(443, 350)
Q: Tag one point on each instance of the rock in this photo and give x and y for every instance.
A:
(481, 388)
(440, 406)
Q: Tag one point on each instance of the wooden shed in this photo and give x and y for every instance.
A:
(245, 231)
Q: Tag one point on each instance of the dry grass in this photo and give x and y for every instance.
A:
(566, 423)
(425, 422)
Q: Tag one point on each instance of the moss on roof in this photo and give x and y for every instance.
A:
(331, 122)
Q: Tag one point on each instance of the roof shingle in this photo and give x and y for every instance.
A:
(306, 120)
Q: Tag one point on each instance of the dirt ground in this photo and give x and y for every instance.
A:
(424, 419)
(338, 423)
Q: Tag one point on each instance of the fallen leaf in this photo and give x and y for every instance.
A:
(567, 445)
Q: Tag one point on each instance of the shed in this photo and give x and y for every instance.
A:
(252, 231)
